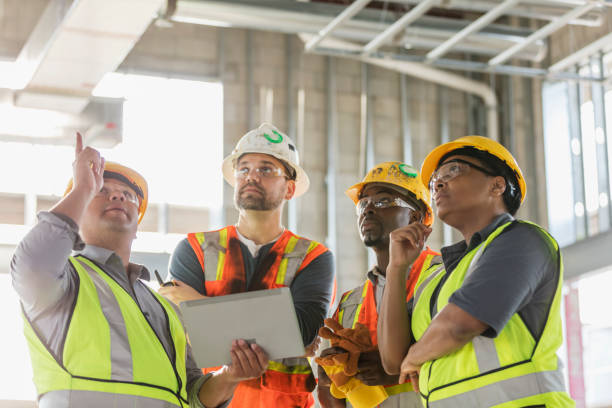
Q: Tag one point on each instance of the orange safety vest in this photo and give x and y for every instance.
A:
(287, 382)
(359, 306)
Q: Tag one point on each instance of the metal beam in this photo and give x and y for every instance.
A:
(509, 117)
(363, 125)
(604, 215)
(443, 116)
(577, 160)
(477, 25)
(399, 25)
(405, 116)
(332, 149)
(529, 135)
(250, 83)
(462, 65)
(542, 33)
(292, 209)
(347, 14)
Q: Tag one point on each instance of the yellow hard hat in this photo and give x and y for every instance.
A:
(129, 177)
(477, 142)
(396, 174)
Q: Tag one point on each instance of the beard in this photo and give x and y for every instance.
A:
(375, 239)
(261, 202)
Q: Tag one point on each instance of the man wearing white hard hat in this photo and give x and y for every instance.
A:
(259, 253)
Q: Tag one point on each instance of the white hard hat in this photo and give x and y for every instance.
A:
(267, 139)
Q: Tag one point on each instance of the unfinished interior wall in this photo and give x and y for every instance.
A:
(267, 77)
(261, 71)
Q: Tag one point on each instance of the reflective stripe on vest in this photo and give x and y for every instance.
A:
(291, 376)
(109, 346)
(503, 391)
(214, 246)
(494, 372)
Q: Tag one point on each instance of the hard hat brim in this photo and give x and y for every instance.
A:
(430, 164)
(133, 176)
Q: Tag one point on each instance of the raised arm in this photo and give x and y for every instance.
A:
(39, 268)
(405, 245)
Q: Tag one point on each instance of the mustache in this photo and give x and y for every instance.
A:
(369, 218)
(251, 185)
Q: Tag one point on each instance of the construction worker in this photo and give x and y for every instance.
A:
(487, 321)
(390, 196)
(98, 336)
(259, 253)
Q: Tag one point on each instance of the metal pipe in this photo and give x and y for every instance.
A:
(437, 76)
(542, 32)
(347, 14)
(477, 25)
(399, 25)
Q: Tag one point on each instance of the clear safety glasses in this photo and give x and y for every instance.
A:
(128, 195)
(262, 172)
(380, 201)
(452, 169)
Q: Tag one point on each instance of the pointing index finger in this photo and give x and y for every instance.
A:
(79, 143)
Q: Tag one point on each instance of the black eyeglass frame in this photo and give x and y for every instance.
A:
(474, 166)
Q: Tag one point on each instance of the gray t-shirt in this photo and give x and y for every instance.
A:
(518, 272)
(312, 288)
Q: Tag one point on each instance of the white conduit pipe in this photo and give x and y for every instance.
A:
(444, 78)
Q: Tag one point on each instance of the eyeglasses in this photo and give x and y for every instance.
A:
(380, 201)
(261, 172)
(452, 169)
(106, 191)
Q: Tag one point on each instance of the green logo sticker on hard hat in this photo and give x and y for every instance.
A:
(278, 139)
(407, 170)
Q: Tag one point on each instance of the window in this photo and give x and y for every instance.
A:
(558, 143)
(173, 135)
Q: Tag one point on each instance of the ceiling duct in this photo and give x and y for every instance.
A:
(74, 44)
(101, 123)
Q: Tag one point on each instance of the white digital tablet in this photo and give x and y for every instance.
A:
(266, 317)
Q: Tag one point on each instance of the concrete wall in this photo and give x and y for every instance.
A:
(253, 64)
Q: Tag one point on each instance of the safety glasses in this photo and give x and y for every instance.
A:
(107, 190)
(242, 173)
(380, 201)
(452, 169)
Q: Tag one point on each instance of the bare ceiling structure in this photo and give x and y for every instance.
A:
(72, 44)
(466, 35)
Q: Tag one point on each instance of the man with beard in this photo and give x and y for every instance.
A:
(98, 336)
(259, 253)
(390, 196)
